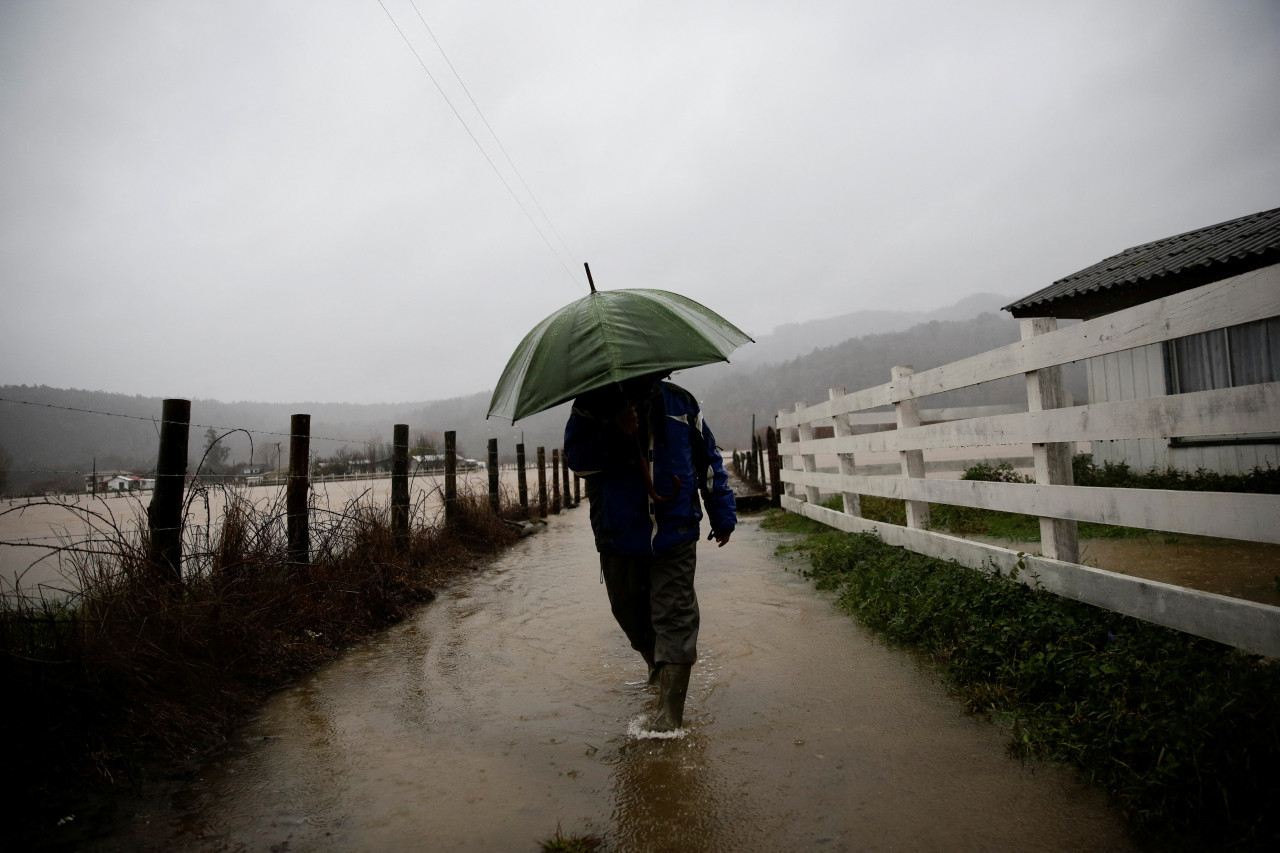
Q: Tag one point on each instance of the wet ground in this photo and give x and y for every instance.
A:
(1242, 569)
(32, 530)
(501, 712)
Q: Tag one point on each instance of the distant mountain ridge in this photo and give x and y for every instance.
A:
(795, 339)
(45, 434)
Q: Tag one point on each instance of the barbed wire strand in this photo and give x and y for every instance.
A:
(161, 421)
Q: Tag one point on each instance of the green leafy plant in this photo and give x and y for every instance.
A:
(1184, 733)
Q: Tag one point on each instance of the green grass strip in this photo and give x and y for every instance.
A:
(1182, 732)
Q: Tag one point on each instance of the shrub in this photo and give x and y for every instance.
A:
(130, 669)
(1184, 733)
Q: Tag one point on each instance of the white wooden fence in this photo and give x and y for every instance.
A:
(1052, 427)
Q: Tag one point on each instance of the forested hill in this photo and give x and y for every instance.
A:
(54, 435)
(732, 393)
(798, 339)
(57, 433)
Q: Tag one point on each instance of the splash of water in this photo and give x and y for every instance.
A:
(637, 730)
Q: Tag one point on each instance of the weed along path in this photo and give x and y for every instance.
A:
(501, 711)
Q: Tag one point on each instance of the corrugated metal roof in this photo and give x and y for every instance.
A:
(1239, 242)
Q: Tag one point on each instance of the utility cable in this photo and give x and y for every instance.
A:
(476, 141)
(532, 196)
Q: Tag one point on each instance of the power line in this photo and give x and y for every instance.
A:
(492, 132)
(476, 141)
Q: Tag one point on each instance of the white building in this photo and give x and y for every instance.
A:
(1238, 355)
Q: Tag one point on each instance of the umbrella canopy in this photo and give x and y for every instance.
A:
(605, 337)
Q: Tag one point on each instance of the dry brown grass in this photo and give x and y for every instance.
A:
(130, 670)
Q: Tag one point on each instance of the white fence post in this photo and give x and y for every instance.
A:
(807, 460)
(852, 503)
(1059, 538)
(908, 416)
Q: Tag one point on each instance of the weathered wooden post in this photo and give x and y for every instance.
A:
(907, 409)
(164, 514)
(775, 467)
(808, 461)
(495, 502)
(564, 471)
(542, 482)
(522, 481)
(1059, 537)
(400, 486)
(296, 521)
(450, 475)
(555, 480)
(852, 503)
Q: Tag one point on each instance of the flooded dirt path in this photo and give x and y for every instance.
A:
(501, 712)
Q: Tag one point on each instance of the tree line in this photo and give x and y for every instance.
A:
(51, 440)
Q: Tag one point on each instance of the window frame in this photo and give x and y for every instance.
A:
(1170, 356)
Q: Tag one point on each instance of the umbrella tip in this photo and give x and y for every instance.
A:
(590, 281)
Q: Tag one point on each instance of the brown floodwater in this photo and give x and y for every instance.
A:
(1240, 569)
(33, 530)
(503, 711)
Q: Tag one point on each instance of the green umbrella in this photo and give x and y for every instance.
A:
(606, 337)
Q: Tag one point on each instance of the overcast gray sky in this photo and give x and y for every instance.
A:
(271, 201)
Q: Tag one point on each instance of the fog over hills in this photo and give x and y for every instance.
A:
(792, 339)
(51, 433)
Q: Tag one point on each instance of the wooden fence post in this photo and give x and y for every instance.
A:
(164, 514)
(1059, 537)
(495, 501)
(522, 480)
(807, 460)
(908, 416)
(555, 480)
(400, 486)
(564, 471)
(753, 460)
(775, 467)
(542, 482)
(296, 521)
(450, 475)
(852, 503)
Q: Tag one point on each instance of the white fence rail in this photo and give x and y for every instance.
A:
(1052, 428)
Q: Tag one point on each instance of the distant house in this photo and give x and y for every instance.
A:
(1243, 354)
(114, 481)
(252, 473)
(435, 462)
(123, 483)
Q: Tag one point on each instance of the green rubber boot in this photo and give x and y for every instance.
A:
(654, 669)
(674, 683)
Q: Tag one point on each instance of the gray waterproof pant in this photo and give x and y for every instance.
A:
(653, 600)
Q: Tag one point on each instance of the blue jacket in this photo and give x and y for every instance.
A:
(684, 463)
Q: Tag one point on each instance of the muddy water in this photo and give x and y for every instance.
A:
(502, 710)
(1239, 569)
(31, 531)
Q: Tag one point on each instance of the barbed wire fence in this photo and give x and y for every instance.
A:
(178, 527)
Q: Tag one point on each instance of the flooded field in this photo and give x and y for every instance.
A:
(501, 712)
(32, 530)
(1240, 569)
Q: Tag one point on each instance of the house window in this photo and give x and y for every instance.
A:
(1225, 358)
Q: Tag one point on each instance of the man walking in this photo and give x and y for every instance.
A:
(646, 455)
